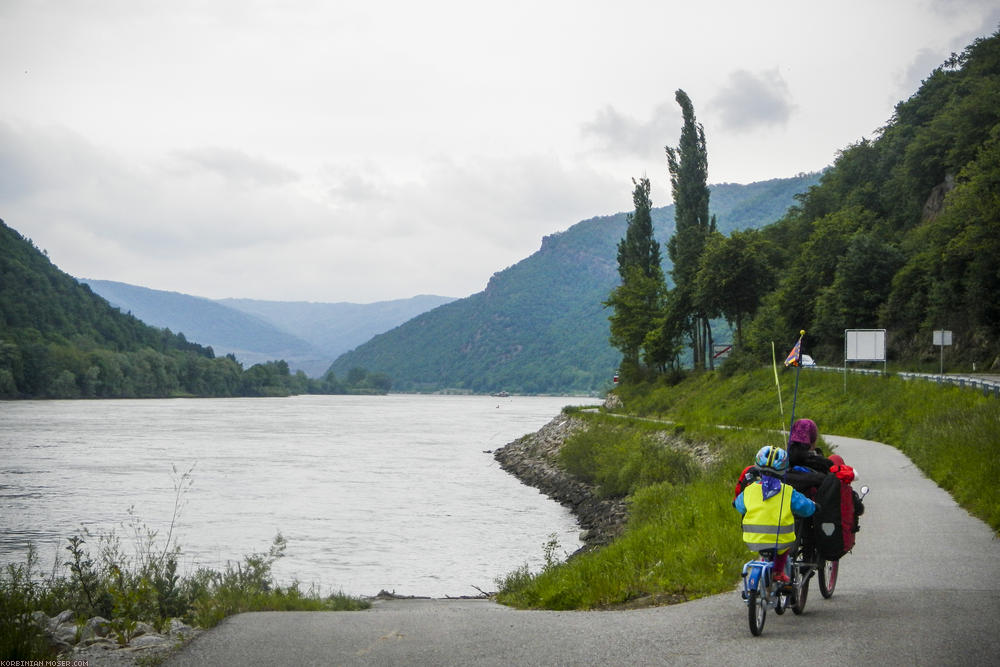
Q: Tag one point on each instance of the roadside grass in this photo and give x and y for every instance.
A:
(683, 536)
(951, 433)
(622, 458)
(683, 540)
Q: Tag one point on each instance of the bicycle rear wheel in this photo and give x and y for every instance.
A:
(781, 603)
(801, 583)
(757, 612)
(827, 576)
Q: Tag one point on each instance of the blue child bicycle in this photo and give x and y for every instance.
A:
(761, 591)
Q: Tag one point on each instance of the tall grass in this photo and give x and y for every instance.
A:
(622, 458)
(142, 584)
(683, 539)
(683, 536)
(951, 433)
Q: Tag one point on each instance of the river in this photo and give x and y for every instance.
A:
(397, 493)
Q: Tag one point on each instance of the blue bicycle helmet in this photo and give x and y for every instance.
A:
(772, 459)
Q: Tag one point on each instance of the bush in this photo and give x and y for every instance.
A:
(620, 458)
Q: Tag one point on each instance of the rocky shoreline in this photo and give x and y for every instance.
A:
(93, 642)
(532, 459)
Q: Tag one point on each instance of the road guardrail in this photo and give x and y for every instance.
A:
(987, 386)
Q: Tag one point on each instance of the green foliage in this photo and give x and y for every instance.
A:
(638, 248)
(129, 589)
(688, 166)
(901, 233)
(619, 459)
(734, 274)
(20, 595)
(638, 301)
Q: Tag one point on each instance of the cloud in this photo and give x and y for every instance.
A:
(910, 78)
(235, 166)
(925, 62)
(618, 134)
(36, 160)
(349, 185)
(216, 222)
(749, 101)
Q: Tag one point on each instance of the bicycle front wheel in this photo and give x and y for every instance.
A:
(827, 576)
(757, 612)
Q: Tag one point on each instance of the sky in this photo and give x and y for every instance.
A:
(310, 150)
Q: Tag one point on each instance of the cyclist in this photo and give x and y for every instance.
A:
(811, 473)
(802, 450)
(806, 465)
(769, 508)
(805, 458)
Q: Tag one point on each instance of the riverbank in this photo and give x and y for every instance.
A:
(533, 460)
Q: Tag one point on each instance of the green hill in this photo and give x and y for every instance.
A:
(307, 335)
(60, 340)
(903, 232)
(539, 326)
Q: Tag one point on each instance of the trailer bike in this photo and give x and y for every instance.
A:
(761, 592)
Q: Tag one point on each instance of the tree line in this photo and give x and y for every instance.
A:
(901, 233)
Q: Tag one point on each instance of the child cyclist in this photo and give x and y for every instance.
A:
(769, 508)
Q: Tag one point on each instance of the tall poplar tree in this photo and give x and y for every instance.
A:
(638, 300)
(688, 166)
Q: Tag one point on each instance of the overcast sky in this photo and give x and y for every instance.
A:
(363, 151)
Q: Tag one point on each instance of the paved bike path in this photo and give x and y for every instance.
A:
(922, 587)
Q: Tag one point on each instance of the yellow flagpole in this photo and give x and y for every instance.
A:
(777, 383)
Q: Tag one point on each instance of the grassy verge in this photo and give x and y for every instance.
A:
(683, 539)
(952, 434)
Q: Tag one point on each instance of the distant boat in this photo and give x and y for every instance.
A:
(501, 394)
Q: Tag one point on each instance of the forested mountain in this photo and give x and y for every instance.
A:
(307, 335)
(60, 340)
(540, 326)
(903, 233)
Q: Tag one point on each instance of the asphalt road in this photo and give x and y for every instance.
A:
(922, 587)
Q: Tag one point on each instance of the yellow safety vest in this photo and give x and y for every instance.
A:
(768, 523)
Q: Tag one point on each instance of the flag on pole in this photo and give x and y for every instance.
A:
(794, 357)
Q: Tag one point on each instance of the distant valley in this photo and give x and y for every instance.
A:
(538, 327)
(307, 335)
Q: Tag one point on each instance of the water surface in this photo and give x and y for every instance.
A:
(391, 492)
